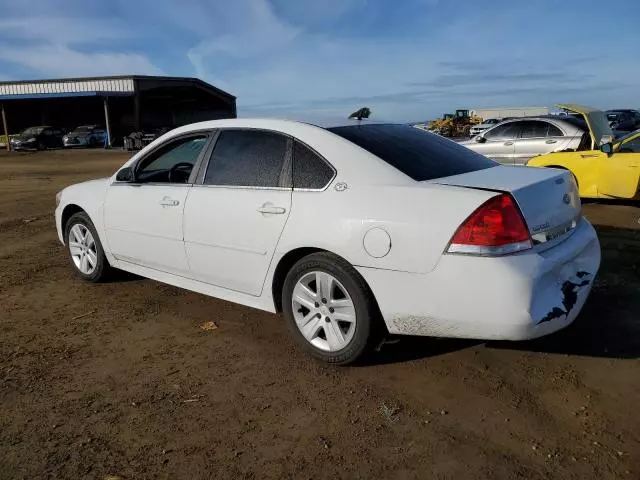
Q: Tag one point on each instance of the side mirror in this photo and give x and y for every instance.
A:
(479, 139)
(607, 148)
(125, 175)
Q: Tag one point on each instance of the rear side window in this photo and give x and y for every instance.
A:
(310, 171)
(554, 131)
(416, 153)
(533, 129)
(248, 158)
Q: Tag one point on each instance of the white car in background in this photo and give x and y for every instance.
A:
(353, 231)
(481, 127)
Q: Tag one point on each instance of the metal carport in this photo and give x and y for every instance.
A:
(122, 104)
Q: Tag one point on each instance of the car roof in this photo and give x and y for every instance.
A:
(553, 118)
(334, 122)
(348, 157)
(281, 123)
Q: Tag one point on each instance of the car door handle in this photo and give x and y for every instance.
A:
(508, 143)
(551, 141)
(270, 209)
(169, 202)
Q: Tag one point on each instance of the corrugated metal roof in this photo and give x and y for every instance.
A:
(70, 86)
(113, 85)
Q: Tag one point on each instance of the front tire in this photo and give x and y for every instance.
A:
(86, 254)
(329, 309)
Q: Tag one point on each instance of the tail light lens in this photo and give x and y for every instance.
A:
(495, 228)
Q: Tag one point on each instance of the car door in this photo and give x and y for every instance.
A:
(143, 218)
(537, 137)
(619, 175)
(47, 137)
(99, 136)
(56, 138)
(236, 212)
(498, 143)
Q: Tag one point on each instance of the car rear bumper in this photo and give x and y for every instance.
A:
(515, 297)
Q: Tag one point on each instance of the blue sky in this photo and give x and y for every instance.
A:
(405, 59)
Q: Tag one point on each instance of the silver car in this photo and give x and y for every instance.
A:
(486, 125)
(515, 141)
(85, 136)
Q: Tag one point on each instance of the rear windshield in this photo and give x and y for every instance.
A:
(416, 153)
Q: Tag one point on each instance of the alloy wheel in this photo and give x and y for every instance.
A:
(324, 311)
(82, 247)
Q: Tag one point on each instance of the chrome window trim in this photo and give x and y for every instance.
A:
(240, 187)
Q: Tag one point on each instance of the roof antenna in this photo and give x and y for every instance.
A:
(364, 112)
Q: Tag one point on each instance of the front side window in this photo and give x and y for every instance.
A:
(310, 171)
(418, 154)
(506, 131)
(248, 158)
(173, 162)
(631, 146)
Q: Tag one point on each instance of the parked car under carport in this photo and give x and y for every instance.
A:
(37, 138)
(85, 136)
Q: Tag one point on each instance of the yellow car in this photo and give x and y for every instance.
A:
(604, 168)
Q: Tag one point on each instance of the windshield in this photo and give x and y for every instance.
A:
(33, 131)
(83, 129)
(416, 153)
(612, 116)
(630, 141)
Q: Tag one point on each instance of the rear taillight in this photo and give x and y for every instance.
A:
(495, 228)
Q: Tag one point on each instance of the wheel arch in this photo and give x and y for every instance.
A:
(287, 262)
(283, 267)
(68, 211)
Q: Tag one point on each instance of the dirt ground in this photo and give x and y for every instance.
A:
(119, 379)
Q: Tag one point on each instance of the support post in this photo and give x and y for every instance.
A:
(136, 108)
(5, 128)
(106, 122)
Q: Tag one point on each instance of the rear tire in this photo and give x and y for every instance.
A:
(86, 253)
(328, 300)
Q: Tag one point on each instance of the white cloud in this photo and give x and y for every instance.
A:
(61, 61)
(255, 29)
(62, 30)
(49, 47)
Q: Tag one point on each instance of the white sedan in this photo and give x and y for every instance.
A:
(353, 231)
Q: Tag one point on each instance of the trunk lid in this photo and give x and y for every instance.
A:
(597, 122)
(547, 197)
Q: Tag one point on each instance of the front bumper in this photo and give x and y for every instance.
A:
(19, 145)
(75, 142)
(515, 297)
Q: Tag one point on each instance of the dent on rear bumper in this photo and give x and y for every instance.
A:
(516, 297)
